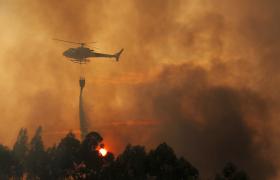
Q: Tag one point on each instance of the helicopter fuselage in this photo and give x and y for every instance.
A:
(80, 54)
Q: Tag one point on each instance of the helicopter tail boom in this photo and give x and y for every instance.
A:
(117, 55)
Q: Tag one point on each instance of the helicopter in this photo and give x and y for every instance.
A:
(81, 54)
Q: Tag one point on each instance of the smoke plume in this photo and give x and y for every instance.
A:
(210, 124)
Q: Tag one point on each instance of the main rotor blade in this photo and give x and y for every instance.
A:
(67, 41)
(89, 42)
(81, 43)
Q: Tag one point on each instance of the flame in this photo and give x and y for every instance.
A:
(103, 152)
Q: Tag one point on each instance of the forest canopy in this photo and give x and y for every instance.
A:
(75, 159)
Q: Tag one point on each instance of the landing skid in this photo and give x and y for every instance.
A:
(82, 61)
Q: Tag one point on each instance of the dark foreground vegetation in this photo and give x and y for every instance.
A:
(72, 159)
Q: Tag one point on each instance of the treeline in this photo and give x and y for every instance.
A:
(74, 159)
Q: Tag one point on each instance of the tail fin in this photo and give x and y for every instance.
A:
(117, 55)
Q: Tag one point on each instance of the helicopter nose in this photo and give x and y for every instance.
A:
(66, 53)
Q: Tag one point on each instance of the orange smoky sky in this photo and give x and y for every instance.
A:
(200, 75)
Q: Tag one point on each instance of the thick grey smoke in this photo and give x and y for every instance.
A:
(209, 124)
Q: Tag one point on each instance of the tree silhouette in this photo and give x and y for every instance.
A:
(108, 170)
(91, 162)
(162, 162)
(52, 167)
(7, 163)
(132, 163)
(37, 157)
(164, 165)
(230, 172)
(185, 170)
(20, 150)
(67, 156)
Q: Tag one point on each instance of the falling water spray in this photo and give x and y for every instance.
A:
(83, 122)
